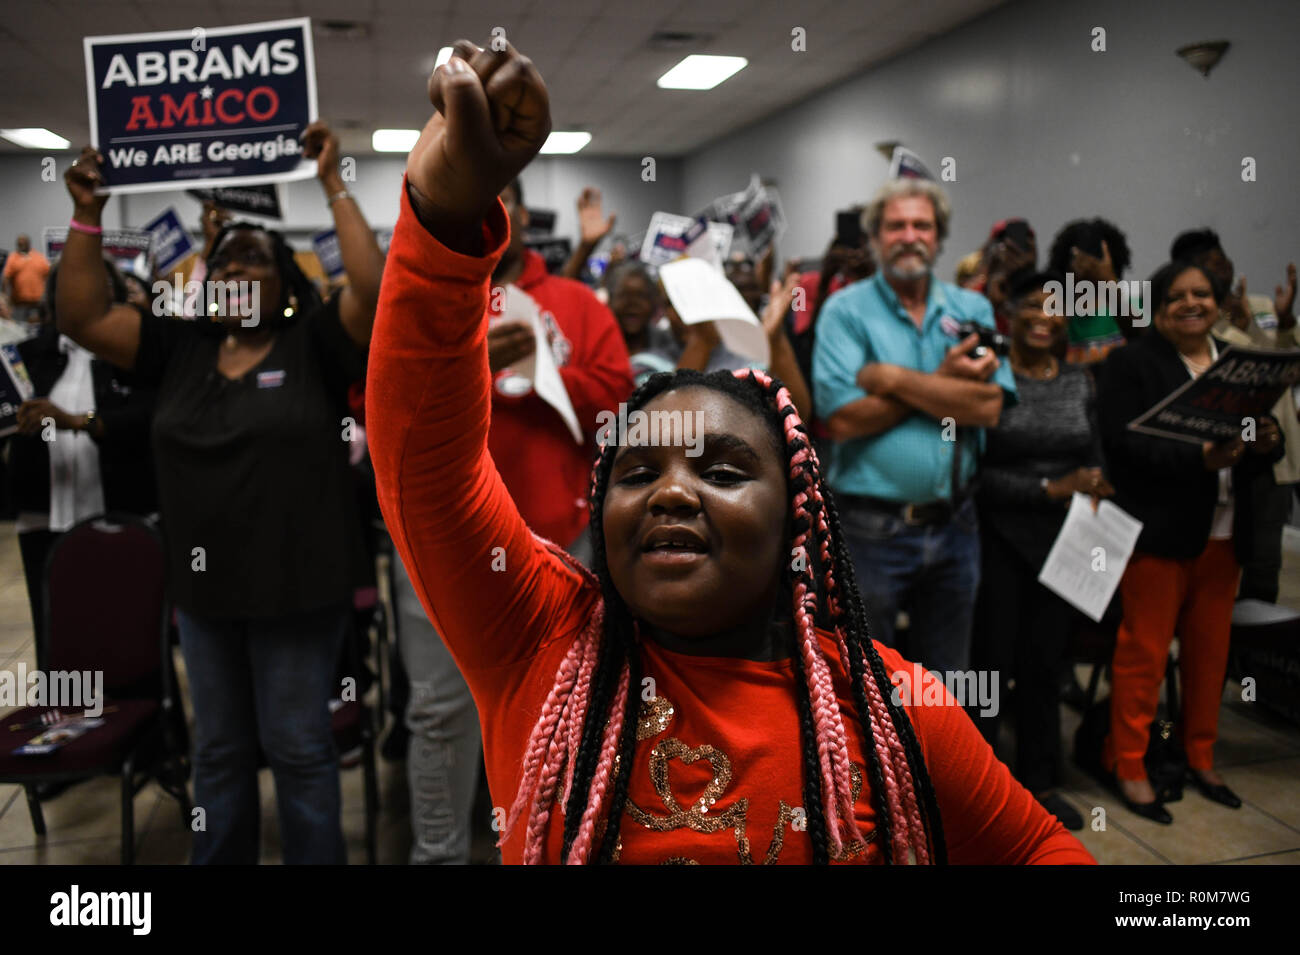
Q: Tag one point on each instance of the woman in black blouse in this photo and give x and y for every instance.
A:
(1182, 577)
(258, 510)
(1044, 450)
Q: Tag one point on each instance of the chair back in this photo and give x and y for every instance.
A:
(106, 604)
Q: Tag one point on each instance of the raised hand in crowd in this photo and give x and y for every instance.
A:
(592, 223)
(592, 227)
(784, 364)
(492, 116)
(1091, 268)
(1236, 306)
(83, 178)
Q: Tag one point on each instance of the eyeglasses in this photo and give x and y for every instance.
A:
(249, 255)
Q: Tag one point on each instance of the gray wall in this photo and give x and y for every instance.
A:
(28, 205)
(1041, 126)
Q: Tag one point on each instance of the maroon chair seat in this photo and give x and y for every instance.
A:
(100, 750)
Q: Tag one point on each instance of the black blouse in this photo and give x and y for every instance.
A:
(254, 471)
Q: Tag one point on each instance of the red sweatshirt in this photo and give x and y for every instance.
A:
(719, 729)
(545, 470)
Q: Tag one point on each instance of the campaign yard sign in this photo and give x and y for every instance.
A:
(1243, 383)
(170, 242)
(15, 388)
(755, 213)
(326, 246)
(205, 107)
(672, 236)
(129, 248)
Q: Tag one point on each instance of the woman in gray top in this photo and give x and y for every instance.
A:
(1043, 451)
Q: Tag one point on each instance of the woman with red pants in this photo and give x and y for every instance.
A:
(1182, 579)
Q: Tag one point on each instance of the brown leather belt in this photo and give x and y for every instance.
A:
(916, 515)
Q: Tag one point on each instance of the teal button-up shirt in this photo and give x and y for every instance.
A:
(910, 463)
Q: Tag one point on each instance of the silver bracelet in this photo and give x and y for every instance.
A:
(344, 194)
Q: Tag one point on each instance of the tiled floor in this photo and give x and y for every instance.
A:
(1258, 755)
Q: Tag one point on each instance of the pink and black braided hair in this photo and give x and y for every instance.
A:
(582, 745)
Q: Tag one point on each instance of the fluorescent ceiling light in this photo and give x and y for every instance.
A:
(394, 140)
(35, 138)
(699, 72)
(443, 56)
(565, 142)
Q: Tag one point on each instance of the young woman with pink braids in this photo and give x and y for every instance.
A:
(710, 695)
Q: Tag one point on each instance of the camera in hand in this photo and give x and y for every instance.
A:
(990, 339)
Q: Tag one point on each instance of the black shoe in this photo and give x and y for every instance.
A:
(1063, 811)
(1220, 793)
(1155, 811)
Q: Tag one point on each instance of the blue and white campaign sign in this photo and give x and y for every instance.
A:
(326, 246)
(170, 243)
(129, 248)
(205, 107)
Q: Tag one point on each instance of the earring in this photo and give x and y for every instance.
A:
(293, 306)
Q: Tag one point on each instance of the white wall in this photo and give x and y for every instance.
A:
(1041, 126)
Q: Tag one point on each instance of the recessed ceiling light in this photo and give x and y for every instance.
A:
(700, 72)
(394, 140)
(565, 142)
(35, 138)
(443, 56)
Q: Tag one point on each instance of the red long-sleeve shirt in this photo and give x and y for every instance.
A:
(508, 610)
(546, 471)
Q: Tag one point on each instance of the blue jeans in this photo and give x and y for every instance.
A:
(931, 572)
(267, 683)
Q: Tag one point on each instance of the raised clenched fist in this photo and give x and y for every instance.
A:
(493, 115)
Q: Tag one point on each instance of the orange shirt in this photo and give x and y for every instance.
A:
(717, 773)
(27, 274)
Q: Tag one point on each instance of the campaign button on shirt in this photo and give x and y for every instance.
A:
(270, 379)
(951, 327)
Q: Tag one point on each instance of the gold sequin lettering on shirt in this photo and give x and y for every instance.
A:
(654, 718)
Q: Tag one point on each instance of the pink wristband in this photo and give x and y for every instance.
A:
(82, 227)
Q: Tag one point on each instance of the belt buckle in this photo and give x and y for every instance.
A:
(909, 515)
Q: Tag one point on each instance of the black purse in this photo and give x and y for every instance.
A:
(1165, 761)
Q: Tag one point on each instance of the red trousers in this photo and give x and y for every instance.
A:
(1162, 597)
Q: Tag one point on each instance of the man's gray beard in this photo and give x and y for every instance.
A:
(908, 275)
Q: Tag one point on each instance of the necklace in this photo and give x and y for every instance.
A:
(1053, 366)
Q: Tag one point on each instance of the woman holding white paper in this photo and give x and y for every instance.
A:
(1182, 578)
(1044, 450)
(636, 301)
